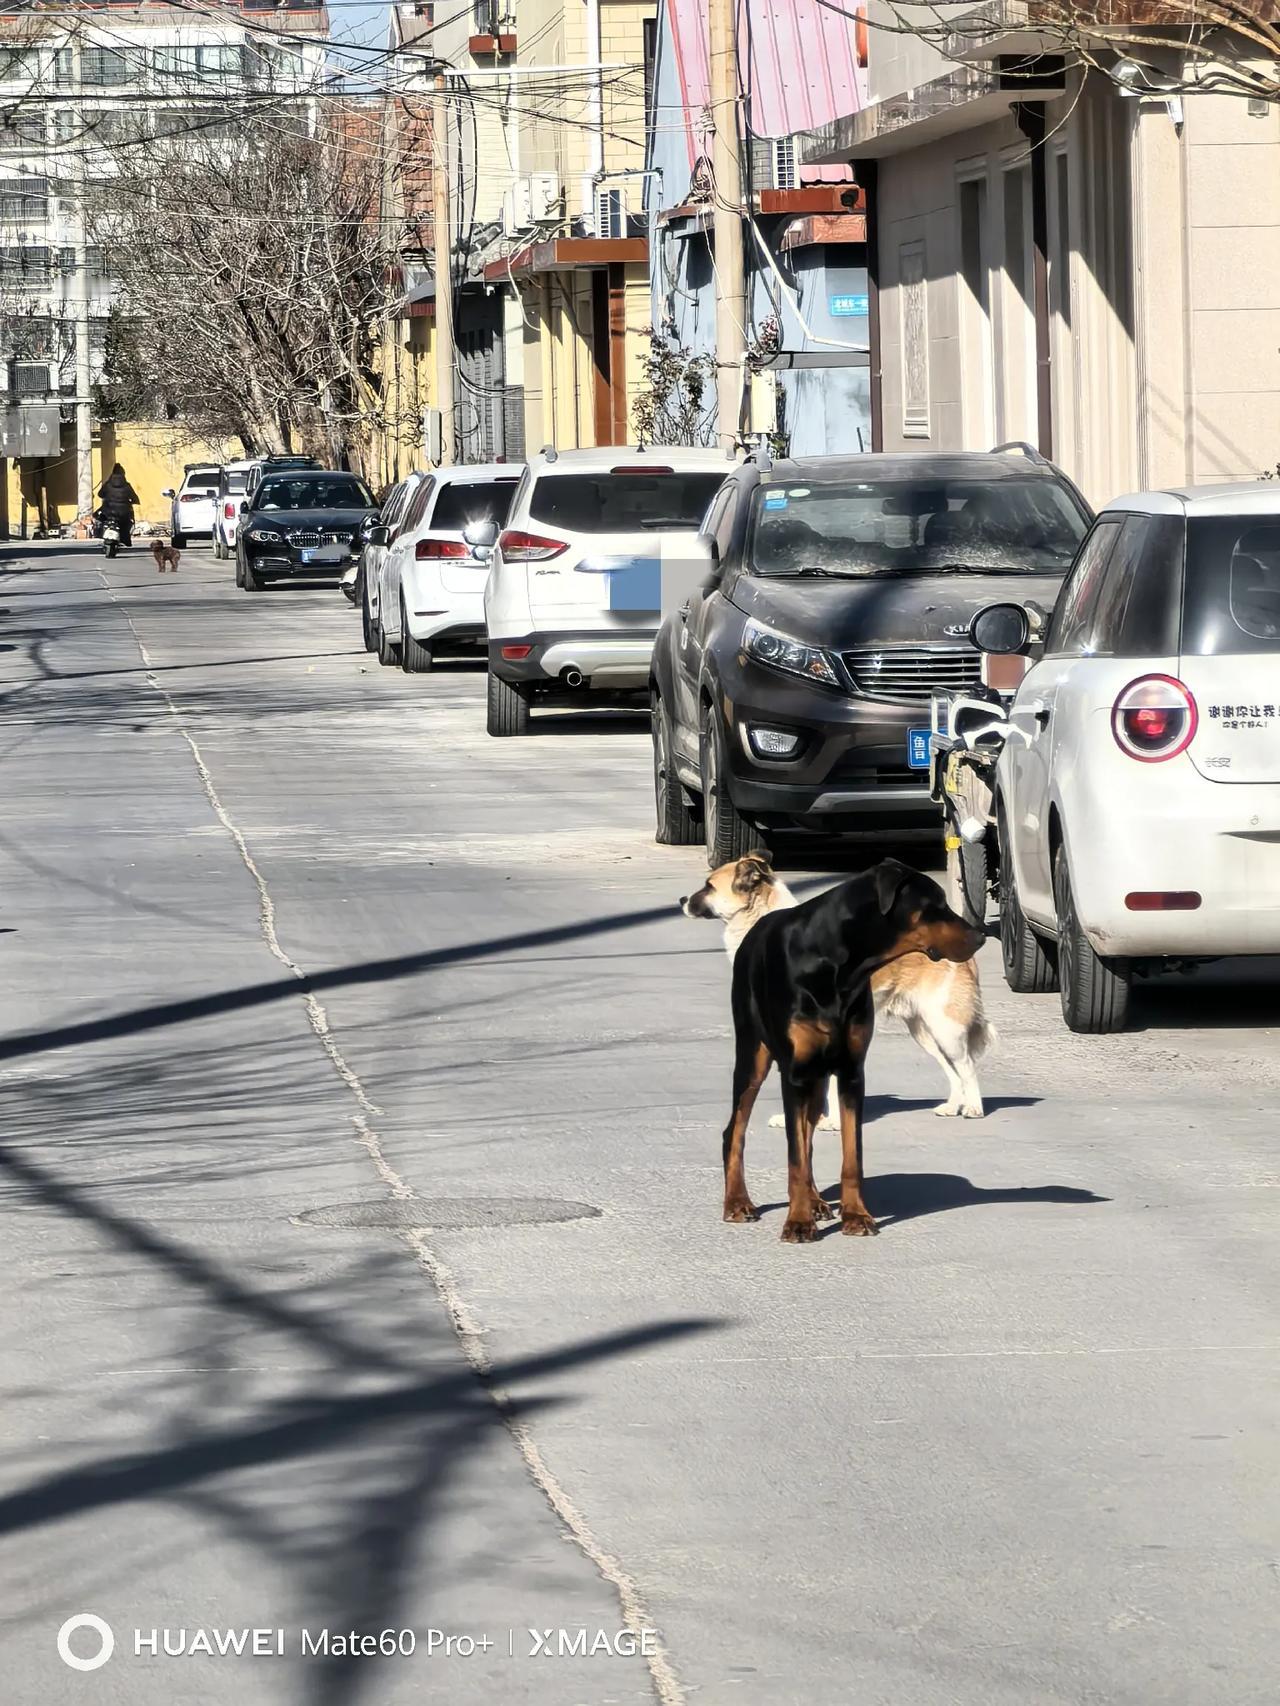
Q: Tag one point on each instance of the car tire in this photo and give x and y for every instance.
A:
(726, 832)
(178, 541)
(415, 657)
(368, 628)
(507, 711)
(678, 824)
(110, 548)
(1095, 992)
(388, 650)
(1029, 966)
(239, 571)
(251, 580)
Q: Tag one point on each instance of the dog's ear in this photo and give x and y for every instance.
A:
(752, 872)
(891, 874)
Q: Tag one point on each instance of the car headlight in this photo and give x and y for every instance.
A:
(265, 537)
(780, 651)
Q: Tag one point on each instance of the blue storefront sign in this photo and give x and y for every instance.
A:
(851, 306)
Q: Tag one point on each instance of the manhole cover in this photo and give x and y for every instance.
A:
(448, 1211)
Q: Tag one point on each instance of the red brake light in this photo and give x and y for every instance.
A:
(640, 468)
(1163, 900)
(1154, 719)
(518, 547)
(229, 510)
(192, 497)
(516, 654)
(433, 549)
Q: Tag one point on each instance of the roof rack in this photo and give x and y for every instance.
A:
(1019, 447)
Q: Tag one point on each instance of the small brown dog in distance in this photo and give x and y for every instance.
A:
(940, 1003)
(166, 556)
(802, 996)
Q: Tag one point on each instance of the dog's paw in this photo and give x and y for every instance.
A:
(822, 1209)
(973, 1111)
(777, 1122)
(947, 1110)
(741, 1209)
(859, 1226)
(799, 1232)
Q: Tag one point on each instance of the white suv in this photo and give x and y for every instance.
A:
(574, 589)
(1138, 796)
(191, 507)
(232, 486)
(429, 592)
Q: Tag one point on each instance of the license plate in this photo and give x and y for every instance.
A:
(918, 749)
(307, 557)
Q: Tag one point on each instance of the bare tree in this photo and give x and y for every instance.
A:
(251, 275)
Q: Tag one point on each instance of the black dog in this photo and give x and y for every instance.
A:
(802, 997)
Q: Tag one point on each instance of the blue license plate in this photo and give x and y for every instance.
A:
(307, 556)
(918, 749)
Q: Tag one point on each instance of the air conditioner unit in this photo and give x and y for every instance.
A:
(545, 195)
(34, 378)
(611, 213)
(786, 174)
(515, 208)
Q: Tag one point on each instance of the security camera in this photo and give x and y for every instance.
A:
(1137, 78)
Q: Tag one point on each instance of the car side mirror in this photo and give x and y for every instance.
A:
(379, 535)
(1001, 630)
(244, 508)
(168, 492)
(481, 535)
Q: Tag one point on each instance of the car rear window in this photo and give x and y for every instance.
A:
(1231, 604)
(610, 502)
(924, 526)
(313, 491)
(464, 503)
(235, 482)
(202, 482)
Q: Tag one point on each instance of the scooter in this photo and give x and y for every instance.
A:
(111, 537)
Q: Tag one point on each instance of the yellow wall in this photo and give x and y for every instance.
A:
(407, 363)
(152, 455)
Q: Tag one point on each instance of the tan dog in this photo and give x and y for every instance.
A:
(940, 1003)
(165, 556)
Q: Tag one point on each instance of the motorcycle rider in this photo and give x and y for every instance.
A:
(118, 498)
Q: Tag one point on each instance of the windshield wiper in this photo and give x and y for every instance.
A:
(973, 569)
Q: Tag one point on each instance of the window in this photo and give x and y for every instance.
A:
(913, 296)
(1072, 614)
(21, 131)
(1017, 331)
(649, 54)
(608, 502)
(1232, 598)
(19, 65)
(726, 521)
(219, 62)
(104, 67)
(418, 505)
(177, 61)
(313, 491)
(24, 198)
(462, 503)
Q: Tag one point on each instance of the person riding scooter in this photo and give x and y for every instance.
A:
(118, 498)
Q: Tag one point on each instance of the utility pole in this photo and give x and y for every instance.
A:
(84, 371)
(727, 233)
(443, 268)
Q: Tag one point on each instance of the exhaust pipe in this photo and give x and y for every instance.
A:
(571, 677)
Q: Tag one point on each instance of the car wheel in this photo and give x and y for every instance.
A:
(178, 541)
(251, 580)
(1095, 991)
(1029, 967)
(727, 834)
(678, 824)
(111, 547)
(415, 657)
(367, 626)
(388, 650)
(239, 570)
(508, 707)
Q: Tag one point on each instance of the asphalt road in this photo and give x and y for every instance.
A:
(361, 1094)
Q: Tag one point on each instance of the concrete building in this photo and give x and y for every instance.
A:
(804, 224)
(1080, 250)
(75, 84)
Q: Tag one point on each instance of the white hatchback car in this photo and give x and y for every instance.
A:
(367, 574)
(430, 583)
(192, 506)
(572, 603)
(1138, 796)
(232, 486)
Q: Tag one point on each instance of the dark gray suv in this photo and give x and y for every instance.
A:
(792, 690)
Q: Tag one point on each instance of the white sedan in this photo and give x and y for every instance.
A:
(1138, 796)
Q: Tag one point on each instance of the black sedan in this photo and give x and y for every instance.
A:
(302, 523)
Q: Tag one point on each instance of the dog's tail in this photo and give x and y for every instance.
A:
(982, 1036)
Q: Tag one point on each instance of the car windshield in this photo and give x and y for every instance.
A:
(314, 491)
(1231, 604)
(466, 503)
(623, 502)
(903, 527)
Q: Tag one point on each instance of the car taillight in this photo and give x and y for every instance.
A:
(433, 549)
(1155, 718)
(518, 547)
(190, 497)
(229, 510)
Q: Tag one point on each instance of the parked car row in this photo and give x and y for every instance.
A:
(1136, 801)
